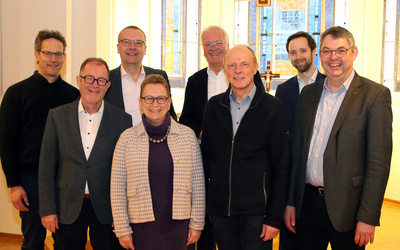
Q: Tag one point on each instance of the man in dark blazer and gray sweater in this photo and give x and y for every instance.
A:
(124, 91)
(342, 146)
(75, 163)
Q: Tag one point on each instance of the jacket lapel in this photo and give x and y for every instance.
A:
(102, 132)
(73, 123)
(349, 99)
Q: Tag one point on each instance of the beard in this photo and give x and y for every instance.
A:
(303, 67)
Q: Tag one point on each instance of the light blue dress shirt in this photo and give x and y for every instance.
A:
(328, 109)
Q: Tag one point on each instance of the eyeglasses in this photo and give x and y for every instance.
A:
(50, 54)
(90, 80)
(127, 42)
(150, 99)
(326, 53)
(217, 44)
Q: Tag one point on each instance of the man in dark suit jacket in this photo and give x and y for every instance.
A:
(301, 48)
(207, 82)
(126, 79)
(342, 149)
(75, 163)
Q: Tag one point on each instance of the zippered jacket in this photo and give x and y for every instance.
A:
(246, 174)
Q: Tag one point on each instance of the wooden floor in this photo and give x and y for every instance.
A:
(387, 236)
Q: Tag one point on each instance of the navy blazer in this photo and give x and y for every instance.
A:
(64, 169)
(288, 93)
(196, 97)
(114, 94)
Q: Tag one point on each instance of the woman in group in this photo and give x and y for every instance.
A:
(157, 180)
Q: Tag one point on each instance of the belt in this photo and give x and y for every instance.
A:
(86, 196)
(319, 190)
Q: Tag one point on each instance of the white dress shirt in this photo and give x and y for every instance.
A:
(311, 80)
(131, 94)
(217, 84)
(89, 126)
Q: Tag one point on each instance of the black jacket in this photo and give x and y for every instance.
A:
(247, 173)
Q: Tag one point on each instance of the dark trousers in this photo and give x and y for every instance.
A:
(31, 225)
(74, 236)
(286, 239)
(207, 238)
(314, 229)
(240, 232)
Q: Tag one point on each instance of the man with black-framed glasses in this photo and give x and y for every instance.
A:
(75, 163)
(127, 78)
(23, 116)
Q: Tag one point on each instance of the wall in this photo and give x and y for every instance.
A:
(20, 22)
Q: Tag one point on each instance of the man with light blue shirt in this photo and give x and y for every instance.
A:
(342, 145)
(245, 152)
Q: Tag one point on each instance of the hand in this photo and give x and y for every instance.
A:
(19, 197)
(268, 232)
(50, 222)
(364, 234)
(290, 218)
(126, 242)
(193, 236)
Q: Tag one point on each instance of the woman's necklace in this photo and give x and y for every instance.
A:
(162, 139)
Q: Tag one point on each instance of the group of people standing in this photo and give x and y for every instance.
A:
(240, 166)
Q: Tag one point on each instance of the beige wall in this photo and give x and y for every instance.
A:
(88, 28)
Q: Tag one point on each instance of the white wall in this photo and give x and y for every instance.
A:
(20, 22)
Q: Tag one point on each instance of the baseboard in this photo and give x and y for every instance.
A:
(392, 201)
(14, 236)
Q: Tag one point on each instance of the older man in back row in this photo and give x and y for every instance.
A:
(342, 148)
(246, 158)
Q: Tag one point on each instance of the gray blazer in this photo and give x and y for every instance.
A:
(357, 156)
(63, 168)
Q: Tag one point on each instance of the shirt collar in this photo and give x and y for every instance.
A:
(346, 83)
(123, 71)
(311, 80)
(210, 72)
(250, 95)
(82, 109)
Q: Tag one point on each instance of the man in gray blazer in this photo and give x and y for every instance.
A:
(342, 148)
(75, 163)
(126, 80)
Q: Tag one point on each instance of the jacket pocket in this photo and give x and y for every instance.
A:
(358, 181)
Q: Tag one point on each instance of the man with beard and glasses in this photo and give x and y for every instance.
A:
(126, 79)
(302, 50)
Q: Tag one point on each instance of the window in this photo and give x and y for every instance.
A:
(391, 51)
(180, 57)
(267, 28)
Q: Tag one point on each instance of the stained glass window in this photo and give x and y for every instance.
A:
(269, 27)
(180, 40)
